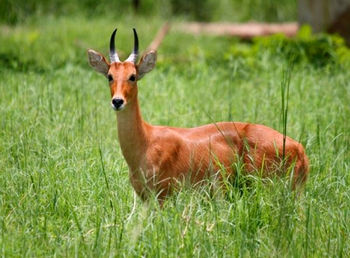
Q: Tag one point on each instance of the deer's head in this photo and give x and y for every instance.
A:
(122, 76)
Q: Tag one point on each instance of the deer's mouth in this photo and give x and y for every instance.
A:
(118, 104)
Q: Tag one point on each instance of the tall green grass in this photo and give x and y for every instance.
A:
(64, 187)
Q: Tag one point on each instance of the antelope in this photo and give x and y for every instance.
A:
(160, 156)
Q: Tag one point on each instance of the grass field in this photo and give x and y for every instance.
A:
(64, 187)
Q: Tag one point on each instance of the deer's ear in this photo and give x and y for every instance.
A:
(98, 62)
(146, 64)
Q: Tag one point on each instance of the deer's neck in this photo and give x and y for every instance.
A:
(132, 133)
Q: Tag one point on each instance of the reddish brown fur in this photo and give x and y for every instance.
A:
(158, 156)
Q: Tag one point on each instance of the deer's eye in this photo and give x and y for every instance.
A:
(132, 78)
(110, 78)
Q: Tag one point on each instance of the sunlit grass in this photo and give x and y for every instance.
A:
(64, 187)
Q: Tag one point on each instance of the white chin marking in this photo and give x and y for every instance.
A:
(121, 107)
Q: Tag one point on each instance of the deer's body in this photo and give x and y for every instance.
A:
(159, 156)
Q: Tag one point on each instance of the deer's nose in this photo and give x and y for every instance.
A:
(117, 103)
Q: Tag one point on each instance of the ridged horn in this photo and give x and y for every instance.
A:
(113, 56)
(135, 52)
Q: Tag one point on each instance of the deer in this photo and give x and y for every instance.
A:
(158, 157)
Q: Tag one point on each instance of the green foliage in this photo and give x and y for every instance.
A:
(14, 11)
(198, 9)
(257, 10)
(315, 49)
(19, 11)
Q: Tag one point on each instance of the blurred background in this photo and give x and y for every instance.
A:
(330, 15)
(36, 19)
(16, 11)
